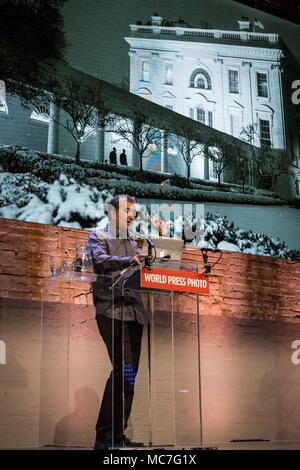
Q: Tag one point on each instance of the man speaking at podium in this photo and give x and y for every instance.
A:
(112, 252)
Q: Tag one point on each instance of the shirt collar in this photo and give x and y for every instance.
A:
(111, 230)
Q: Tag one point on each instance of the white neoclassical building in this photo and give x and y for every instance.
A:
(224, 79)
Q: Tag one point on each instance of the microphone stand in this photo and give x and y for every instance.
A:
(124, 271)
(208, 266)
(149, 259)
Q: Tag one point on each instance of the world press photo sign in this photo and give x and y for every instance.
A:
(180, 281)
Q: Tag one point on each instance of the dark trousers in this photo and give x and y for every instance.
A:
(113, 414)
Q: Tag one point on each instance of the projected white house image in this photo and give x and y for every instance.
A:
(218, 97)
(227, 80)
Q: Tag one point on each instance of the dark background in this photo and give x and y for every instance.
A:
(287, 9)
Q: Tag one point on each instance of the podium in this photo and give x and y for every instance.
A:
(166, 410)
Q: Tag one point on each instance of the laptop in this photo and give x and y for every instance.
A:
(168, 252)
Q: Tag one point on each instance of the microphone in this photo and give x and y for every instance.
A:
(208, 265)
(150, 242)
(149, 258)
(150, 246)
(213, 250)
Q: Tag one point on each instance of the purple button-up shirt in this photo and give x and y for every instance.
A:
(110, 256)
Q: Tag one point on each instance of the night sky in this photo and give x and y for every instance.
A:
(95, 28)
(288, 9)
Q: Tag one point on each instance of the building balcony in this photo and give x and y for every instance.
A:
(202, 35)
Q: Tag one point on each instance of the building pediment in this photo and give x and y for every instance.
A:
(265, 108)
(238, 105)
(143, 91)
(201, 97)
(168, 95)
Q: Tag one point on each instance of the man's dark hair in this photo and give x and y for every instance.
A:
(115, 201)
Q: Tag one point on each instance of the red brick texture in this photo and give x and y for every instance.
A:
(241, 285)
(56, 364)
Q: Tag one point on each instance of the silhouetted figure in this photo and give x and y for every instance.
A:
(113, 156)
(68, 429)
(123, 158)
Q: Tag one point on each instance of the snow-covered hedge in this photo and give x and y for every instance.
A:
(18, 189)
(223, 234)
(63, 202)
(67, 202)
(48, 168)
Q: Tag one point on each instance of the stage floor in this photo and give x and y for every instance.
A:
(262, 445)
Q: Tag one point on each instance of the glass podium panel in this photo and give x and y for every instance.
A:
(76, 367)
(73, 362)
(172, 359)
(54, 366)
(20, 349)
(54, 374)
(187, 369)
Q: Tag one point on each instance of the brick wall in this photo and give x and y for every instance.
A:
(56, 364)
(246, 286)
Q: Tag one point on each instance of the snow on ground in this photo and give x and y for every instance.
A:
(68, 203)
(65, 202)
(226, 246)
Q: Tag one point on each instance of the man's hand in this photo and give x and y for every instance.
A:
(160, 225)
(137, 259)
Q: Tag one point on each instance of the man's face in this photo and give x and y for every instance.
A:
(125, 215)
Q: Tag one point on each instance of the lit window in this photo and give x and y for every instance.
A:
(233, 81)
(40, 114)
(88, 131)
(213, 164)
(3, 106)
(265, 133)
(213, 175)
(145, 71)
(200, 115)
(200, 78)
(201, 82)
(169, 74)
(262, 85)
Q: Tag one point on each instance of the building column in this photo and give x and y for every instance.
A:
(188, 157)
(52, 143)
(164, 153)
(100, 144)
(206, 167)
(135, 156)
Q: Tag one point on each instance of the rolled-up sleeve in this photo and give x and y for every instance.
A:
(102, 261)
